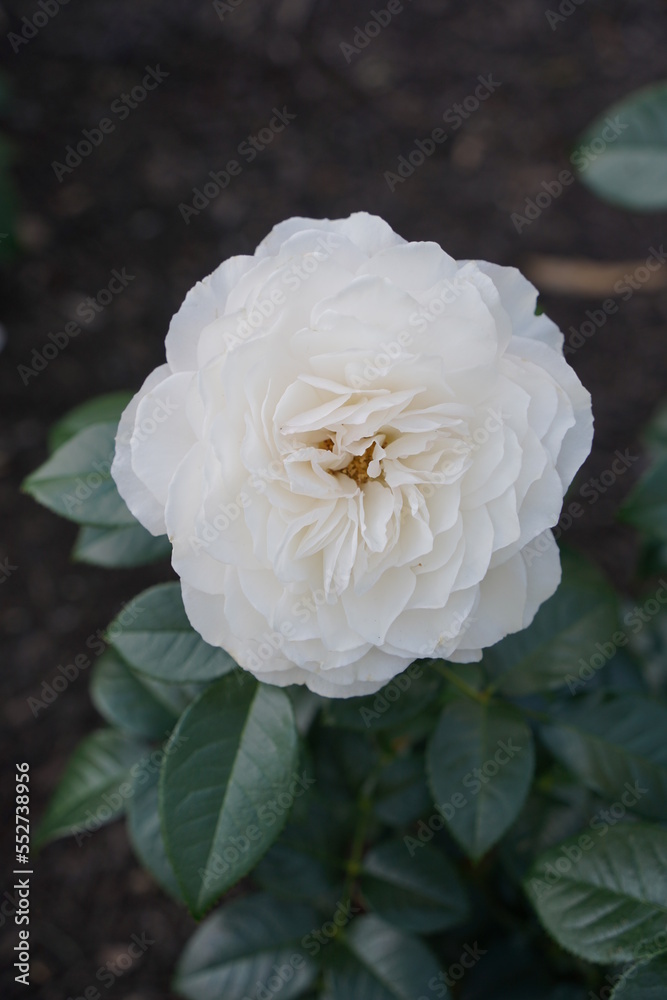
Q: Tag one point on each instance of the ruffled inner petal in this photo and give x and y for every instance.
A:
(364, 449)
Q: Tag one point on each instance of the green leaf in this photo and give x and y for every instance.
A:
(305, 863)
(402, 795)
(652, 558)
(566, 628)
(322, 822)
(646, 506)
(646, 981)
(245, 949)
(159, 641)
(292, 873)
(604, 897)
(306, 705)
(105, 409)
(418, 729)
(649, 640)
(617, 749)
(95, 786)
(557, 807)
(631, 169)
(480, 764)
(76, 482)
(622, 675)
(566, 991)
(116, 548)
(376, 961)
(350, 757)
(143, 827)
(418, 891)
(134, 702)
(394, 705)
(227, 785)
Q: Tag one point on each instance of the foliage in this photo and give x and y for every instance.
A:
(414, 843)
(622, 156)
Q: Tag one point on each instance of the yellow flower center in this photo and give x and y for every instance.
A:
(357, 468)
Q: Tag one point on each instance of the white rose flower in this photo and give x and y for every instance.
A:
(358, 447)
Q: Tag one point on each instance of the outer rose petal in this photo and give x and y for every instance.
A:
(163, 434)
(367, 446)
(203, 303)
(369, 232)
(519, 298)
(146, 508)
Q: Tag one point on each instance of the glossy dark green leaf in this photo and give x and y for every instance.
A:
(622, 674)
(401, 794)
(321, 822)
(652, 559)
(76, 481)
(603, 895)
(564, 631)
(376, 961)
(644, 981)
(306, 706)
(557, 807)
(650, 641)
(106, 409)
(116, 548)
(250, 949)
(143, 826)
(616, 748)
(133, 701)
(298, 874)
(566, 991)
(395, 704)
(95, 786)
(480, 764)
(420, 727)
(345, 760)
(418, 891)
(504, 967)
(622, 156)
(608, 671)
(154, 636)
(227, 785)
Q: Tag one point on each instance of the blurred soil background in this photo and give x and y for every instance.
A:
(119, 208)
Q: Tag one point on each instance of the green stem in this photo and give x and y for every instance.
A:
(538, 716)
(453, 678)
(364, 812)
